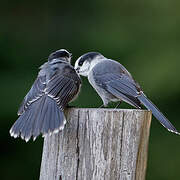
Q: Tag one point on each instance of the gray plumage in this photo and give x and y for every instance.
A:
(113, 82)
(42, 108)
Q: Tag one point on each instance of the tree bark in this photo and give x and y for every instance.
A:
(98, 144)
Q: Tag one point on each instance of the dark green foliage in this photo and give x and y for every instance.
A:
(142, 35)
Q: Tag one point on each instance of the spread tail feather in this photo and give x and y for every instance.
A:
(156, 112)
(43, 116)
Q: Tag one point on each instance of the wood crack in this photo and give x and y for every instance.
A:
(122, 130)
(77, 147)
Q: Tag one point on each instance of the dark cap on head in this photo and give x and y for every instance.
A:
(62, 53)
(88, 56)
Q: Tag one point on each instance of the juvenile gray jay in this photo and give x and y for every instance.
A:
(42, 108)
(113, 82)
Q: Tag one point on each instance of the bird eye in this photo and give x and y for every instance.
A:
(80, 63)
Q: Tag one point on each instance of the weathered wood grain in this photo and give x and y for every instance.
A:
(98, 144)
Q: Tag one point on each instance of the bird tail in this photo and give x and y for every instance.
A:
(42, 116)
(156, 112)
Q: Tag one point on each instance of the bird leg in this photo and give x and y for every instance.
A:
(118, 104)
(102, 106)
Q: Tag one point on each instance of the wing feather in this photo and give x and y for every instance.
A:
(36, 92)
(64, 90)
(121, 86)
(42, 108)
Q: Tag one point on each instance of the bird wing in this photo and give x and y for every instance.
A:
(36, 91)
(63, 88)
(60, 87)
(120, 85)
(115, 79)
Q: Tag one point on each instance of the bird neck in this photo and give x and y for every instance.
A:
(96, 61)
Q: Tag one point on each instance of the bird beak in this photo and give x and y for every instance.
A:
(77, 69)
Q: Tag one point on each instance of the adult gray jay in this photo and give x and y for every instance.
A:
(113, 82)
(42, 108)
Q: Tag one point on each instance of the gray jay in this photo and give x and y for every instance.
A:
(42, 108)
(113, 82)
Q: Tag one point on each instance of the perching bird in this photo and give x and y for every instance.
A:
(42, 108)
(113, 82)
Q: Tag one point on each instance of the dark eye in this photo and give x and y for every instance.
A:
(80, 63)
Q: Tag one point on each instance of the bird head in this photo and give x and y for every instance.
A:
(60, 55)
(86, 62)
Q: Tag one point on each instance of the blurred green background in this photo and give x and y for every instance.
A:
(143, 35)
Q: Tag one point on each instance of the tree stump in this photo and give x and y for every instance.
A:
(98, 144)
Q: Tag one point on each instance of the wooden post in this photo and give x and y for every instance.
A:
(98, 144)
